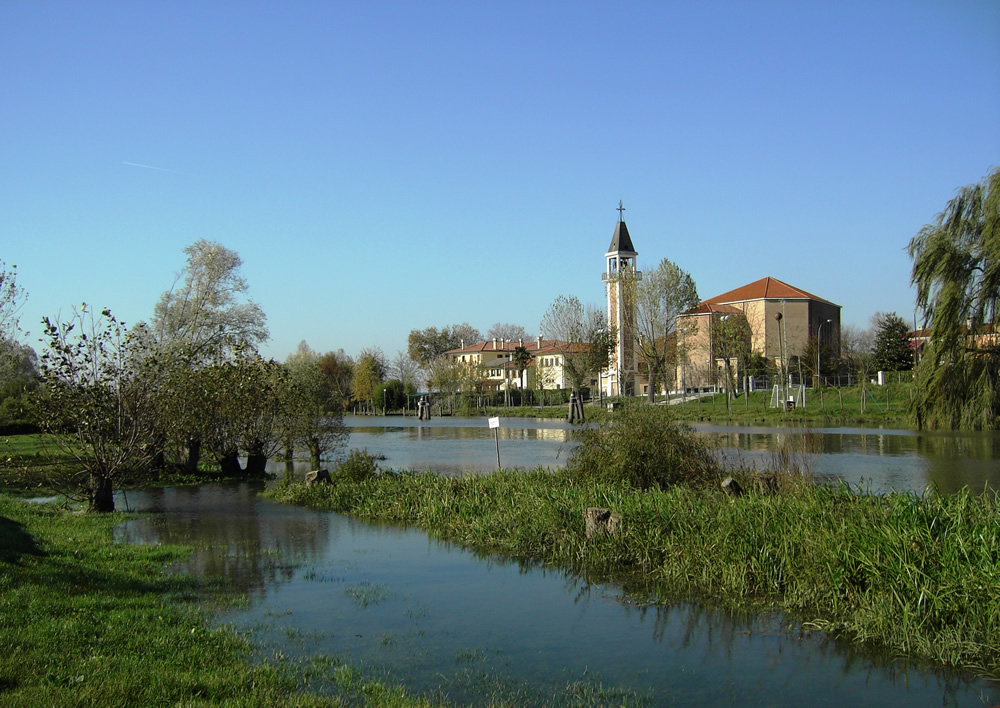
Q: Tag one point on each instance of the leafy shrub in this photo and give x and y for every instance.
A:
(359, 466)
(645, 447)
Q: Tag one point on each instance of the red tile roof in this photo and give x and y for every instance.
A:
(765, 289)
(707, 307)
(548, 346)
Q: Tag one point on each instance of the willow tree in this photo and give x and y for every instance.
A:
(956, 270)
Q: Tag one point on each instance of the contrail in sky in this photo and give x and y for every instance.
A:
(149, 167)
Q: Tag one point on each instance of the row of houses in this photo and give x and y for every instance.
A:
(780, 319)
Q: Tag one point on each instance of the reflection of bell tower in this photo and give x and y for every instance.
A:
(619, 278)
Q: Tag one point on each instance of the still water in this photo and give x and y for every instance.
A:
(451, 624)
(448, 623)
(874, 458)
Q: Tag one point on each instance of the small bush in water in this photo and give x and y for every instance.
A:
(359, 466)
(645, 447)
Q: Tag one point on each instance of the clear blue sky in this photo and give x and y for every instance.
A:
(387, 166)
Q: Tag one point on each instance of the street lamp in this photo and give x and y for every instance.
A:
(781, 358)
(819, 339)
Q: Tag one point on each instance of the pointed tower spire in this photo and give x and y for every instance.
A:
(621, 242)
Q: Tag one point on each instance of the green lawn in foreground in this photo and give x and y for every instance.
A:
(87, 622)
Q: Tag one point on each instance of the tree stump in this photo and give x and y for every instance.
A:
(601, 521)
(731, 487)
(317, 476)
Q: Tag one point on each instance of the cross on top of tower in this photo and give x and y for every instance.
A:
(620, 210)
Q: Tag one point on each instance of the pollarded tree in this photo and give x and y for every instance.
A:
(661, 295)
(311, 412)
(892, 350)
(246, 412)
(98, 400)
(956, 269)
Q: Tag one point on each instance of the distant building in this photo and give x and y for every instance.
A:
(493, 363)
(781, 319)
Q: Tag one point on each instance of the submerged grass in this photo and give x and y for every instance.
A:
(87, 622)
(917, 575)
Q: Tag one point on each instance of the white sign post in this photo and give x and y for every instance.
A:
(495, 425)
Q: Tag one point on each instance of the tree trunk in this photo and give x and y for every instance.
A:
(256, 461)
(102, 497)
(289, 457)
(314, 454)
(193, 455)
(230, 464)
(256, 465)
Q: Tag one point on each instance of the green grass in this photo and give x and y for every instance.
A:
(87, 622)
(828, 406)
(884, 405)
(916, 575)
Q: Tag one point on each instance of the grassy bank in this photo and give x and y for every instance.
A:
(87, 622)
(914, 575)
(884, 405)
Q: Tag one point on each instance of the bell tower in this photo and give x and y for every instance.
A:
(620, 276)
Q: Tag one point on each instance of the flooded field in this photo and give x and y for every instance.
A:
(445, 622)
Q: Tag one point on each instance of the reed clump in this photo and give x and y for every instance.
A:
(644, 447)
(914, 574)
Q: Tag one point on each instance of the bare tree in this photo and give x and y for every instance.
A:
(508, 332)
(206, 311)
(12, 298)
(661, 295)
(565, 319)
(406, 371)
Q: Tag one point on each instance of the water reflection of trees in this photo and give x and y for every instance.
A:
(235, 538)
(713, 633)
(953, 460)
